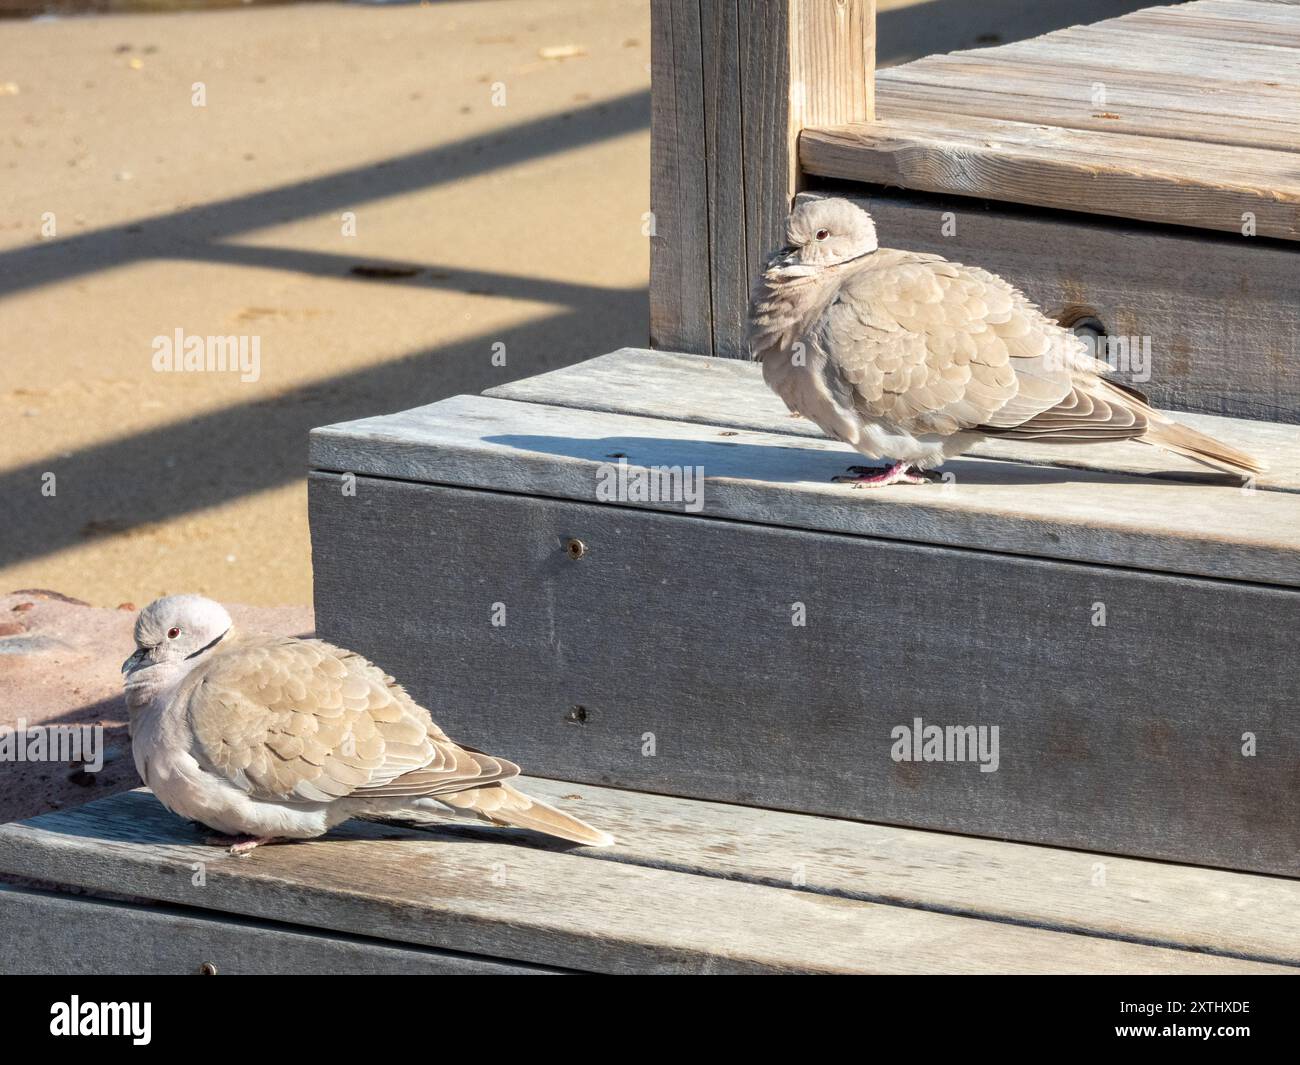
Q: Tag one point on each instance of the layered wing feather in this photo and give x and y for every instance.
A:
(305, 721)
(929, 346)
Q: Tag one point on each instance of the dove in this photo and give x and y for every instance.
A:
(265, 738)
(913, 359)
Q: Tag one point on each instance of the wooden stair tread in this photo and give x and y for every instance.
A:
(692, 887)
(1193, 129)
(1090, 515)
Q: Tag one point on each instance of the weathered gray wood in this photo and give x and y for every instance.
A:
(48, 934)
(1154, 902)
(731, 394)
(736, 82)
(1187, 183)
(723, 242)
(680, 314)
(1151, 49)
(1058, 92)
(478, 892)
(802, 63)
(1126, 737)
(478, 442)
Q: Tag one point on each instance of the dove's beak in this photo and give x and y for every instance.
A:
(133, 663)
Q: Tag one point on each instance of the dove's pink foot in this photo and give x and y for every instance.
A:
(238, 845)
(873, 477)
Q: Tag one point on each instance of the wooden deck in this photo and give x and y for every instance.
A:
(692, 887)
(970, 599)
(1184, 115)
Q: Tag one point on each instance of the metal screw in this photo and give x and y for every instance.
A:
(575, 548)
(207, 969)
(577, 715)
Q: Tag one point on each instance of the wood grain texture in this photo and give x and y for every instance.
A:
(732, 395)
(680, 312)
(1126, 737)
(811, 64)
(1196, 125)
(1048, 887)
(1217, 22)
(1203, 529)
(1060, 93)
(48, 934)
(1155, 179)
(733, 83)
(723, 243)
(468, 889)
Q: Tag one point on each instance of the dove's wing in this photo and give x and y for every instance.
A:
(304, 721)
(930, 346)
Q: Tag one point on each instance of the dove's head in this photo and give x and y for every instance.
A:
(828, 232)
(174, 629)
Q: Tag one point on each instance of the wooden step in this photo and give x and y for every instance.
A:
(692, 887)
(1130, 635)
(1182, 115)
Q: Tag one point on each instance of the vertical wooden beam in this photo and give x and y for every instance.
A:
(805, 63)
(680, 313)
(732, 88)
(724, 156)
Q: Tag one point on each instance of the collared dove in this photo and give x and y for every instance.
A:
(271, 737)
(908, 357)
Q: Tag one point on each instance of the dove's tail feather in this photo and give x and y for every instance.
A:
(503, 804)
(1184, 440)
(1181, 439)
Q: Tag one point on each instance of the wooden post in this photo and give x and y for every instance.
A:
(733, 84)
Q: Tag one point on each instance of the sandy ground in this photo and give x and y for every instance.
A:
(515, 225)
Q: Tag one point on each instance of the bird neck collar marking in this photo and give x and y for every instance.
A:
(856, 258)
(207, 646)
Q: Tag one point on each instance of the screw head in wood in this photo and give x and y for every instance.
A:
(577, 715)
(574, 548)
(1084, 322)
(207, 969)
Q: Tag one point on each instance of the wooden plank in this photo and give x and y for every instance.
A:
(724, 155)
(764, 111)
(1046, 887)
(462, 891)
(478, 442)
(47, 934)
(1124, 737)
(811, 65)
(1215, 24)
(1151, 178)
(737, 81)
(731, 394)
(1152, 50)
(680, 312)
(1060, 95)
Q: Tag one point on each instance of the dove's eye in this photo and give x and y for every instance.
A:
(822, 234)
(173, 633)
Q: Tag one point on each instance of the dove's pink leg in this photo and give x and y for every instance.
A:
(239, 845)
(899, 473)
